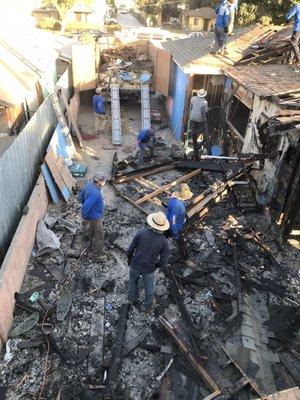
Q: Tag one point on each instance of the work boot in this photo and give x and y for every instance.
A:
(135, 303)
(190, 264)
(150, 309)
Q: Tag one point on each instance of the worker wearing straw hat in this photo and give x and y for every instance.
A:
(176, 216)
(148, 251)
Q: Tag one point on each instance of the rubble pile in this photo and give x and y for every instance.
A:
(273, 47)
(225, 329)
(128, 67)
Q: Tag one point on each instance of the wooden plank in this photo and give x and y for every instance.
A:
(63, 170)
(169, 185)
(51, 163)
(149, 184)
(163, 72)
(50, 183)
(190, 357)
(72, 120)
(127, 178)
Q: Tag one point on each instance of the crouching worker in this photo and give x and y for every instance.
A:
(92, 214)
(146, 139)
(148, 251)
(177, 217)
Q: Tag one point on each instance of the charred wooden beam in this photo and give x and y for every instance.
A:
(116, 356)
(119, 193)
(191, 359)
(141, 172)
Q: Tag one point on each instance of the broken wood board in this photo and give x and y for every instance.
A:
(64, 305)
(63, 169)
(95, 358)
(192, 360)
(139, 174)
(169, 185)
(135, 342)
(51, 163)
(25, 326)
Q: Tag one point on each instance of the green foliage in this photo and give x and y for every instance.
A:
(247, 14)
(49, 23)
(63, 6)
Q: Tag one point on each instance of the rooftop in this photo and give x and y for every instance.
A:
(192, 54)
(205, 12)
(266, 80)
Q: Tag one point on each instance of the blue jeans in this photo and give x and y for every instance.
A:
(220, 38)
(133, 291)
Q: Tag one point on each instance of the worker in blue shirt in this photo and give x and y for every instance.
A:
(148, 251)
(92, 213)
(233, 10)
(294, 12)
(221, 27)
(99, 109)
(146, 139)
(176, 216)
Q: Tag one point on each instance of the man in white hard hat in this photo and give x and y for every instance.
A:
(148, 251)
(198, 119)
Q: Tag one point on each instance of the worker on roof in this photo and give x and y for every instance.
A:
(99, 108)
(148, 251)
(146, 139)
(294, 12)
(233, 10)
(176, 216)
(198, 121)
(92, 213)
(223, 12)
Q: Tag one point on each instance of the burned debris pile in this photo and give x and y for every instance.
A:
(226, 329)
(128, 67)
(273, 47)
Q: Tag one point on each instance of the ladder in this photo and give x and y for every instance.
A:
(53, 96)
(115, 115)
(145, 107)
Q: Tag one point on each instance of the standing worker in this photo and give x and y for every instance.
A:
(295, 12)
(176, 216)
(99, 108)
(198, 120)
(148, 251)
(221, 27)
(146, 139)
(233, 10)
(92, 214)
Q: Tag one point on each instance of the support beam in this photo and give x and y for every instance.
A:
(168, 185)
(145, 172)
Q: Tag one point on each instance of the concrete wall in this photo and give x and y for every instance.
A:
(14, 266)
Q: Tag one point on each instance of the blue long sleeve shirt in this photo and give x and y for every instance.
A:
(92, 202)
(223, 16)
(233, 7)
(99, 104)
(144, 136)
(148, 250)
(294, 12)
(176, 216)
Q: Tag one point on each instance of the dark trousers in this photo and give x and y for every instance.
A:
(96, 236)
(180, 243)
(133, 288)
(295, 43)
(196, 128)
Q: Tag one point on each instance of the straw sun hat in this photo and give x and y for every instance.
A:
(201, 93)
(184, 193)
(158, 221)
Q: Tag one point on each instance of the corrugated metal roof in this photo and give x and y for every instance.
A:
(266, 80)
(204, 12)
(196, 49)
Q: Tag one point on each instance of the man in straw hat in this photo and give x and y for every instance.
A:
(99, 108)
(176, 216)
(198, 119)
(148, 251)
(92, 214)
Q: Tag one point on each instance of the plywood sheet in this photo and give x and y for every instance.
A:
(83, 66)
(51, 163)
(163, 72)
